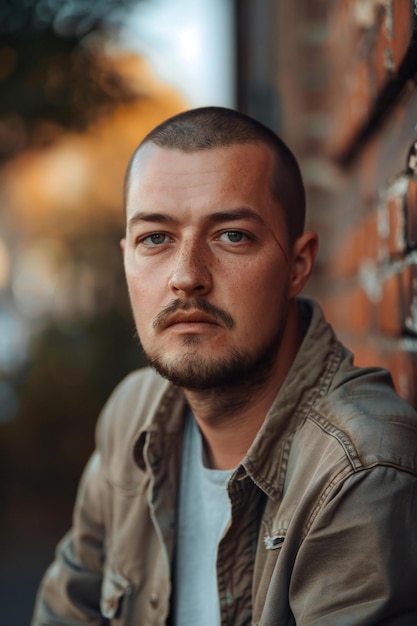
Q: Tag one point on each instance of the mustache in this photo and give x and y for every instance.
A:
(196, 304)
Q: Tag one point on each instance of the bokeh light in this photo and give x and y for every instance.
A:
(4, 265)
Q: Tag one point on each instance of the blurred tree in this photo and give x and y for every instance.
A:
(50, 80)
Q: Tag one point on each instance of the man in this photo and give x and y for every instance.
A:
(267, 481)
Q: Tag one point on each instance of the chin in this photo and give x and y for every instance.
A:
(195, 371)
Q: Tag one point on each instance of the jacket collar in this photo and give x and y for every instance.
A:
(307, 381)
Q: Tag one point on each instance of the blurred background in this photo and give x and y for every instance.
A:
(80, 85)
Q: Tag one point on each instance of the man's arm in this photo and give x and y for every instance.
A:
(358, 563)
(71, 588)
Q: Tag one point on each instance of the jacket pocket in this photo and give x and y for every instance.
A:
(114, 593)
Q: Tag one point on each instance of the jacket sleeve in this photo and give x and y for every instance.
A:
(70, 591)
(357, 565)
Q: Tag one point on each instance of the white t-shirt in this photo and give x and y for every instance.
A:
(202, 517)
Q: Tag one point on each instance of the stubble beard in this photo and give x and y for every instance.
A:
(240, 370)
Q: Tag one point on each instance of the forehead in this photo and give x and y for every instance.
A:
(196, 185)
(244, 166)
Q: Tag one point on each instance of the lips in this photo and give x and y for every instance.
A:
(194, 311)
(196, 317)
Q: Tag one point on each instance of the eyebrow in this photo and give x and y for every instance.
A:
(236, 214)
(215, 218)
(142, 216)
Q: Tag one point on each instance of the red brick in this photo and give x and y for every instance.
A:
(397, 310)
(360, 244)
(403, 367)
(391, 34)
(351, 107)
(409, 288)
(411, 212)
(395, 199)
(348, 307)
(391, 309)
(402, 29)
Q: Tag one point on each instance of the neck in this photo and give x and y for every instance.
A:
(230, 417)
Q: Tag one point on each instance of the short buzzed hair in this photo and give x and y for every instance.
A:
(207, 128)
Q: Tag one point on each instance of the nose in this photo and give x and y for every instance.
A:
(190, 274)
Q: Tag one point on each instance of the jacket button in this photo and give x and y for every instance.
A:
(154, 599)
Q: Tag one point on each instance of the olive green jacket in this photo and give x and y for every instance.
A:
(324, 506)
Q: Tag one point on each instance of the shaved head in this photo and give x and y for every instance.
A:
(217, 127)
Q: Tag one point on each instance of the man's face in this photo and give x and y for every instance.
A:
(207, 263)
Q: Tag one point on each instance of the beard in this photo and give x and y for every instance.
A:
(196, 372)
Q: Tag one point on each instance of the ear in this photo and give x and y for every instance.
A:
(302, 261)
(123, 245)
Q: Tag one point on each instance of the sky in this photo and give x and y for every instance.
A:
(191, 44)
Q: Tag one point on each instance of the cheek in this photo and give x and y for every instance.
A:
(144, 300)
(144, 279)
(262, 297)
(257, 281)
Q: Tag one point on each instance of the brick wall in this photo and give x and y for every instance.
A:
(347, 78)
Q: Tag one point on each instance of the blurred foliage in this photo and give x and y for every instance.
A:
(52, 72)
(69, 18)
(63, 300)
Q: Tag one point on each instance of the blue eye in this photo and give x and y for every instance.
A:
(234, 236)
(155, 240)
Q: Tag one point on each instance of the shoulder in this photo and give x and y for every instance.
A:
(137, 390)
(136, 396)
(129, 411)
(360, 437)
(370, 421)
